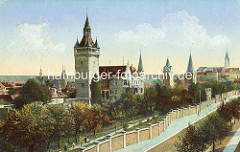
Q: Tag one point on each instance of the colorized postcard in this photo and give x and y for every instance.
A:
(119, 76)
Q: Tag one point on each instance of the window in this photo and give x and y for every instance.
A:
(115, 82)
(103, 94)
(115, 91)
(125, 82)
(82, 85)
(135, 90)
(110, 91)
(141, 90)
(81, 62)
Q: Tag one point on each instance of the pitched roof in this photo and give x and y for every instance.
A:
(113, 69)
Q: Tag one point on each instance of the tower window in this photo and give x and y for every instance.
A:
(115, 91)
(115, 82)
(82, 85)
(125, 82)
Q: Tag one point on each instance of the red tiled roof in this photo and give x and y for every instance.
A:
(84, 41)
(113, 69)
(6, 84)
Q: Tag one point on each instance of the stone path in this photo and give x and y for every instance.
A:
(175, 127)
(232, 145)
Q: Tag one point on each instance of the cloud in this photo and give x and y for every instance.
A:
(178, 30)
(144, 34)
(32, 40)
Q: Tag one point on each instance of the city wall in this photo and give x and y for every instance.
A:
(153, 130)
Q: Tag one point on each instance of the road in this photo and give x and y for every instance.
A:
(175, 127)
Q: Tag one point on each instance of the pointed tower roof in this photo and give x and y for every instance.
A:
(96, 44)
(167, 67)
(140, 65)
(87, 25)
(88, 44)
(86, 35)
(190, 65)
(168, 63)
(76, 44)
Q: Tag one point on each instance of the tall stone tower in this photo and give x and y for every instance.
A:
(227, 60)
(86, 63)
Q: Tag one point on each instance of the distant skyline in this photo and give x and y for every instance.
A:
(43, 33)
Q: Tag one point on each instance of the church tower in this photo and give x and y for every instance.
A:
(190, 76)
(86, 54)
(140, 65)
(227, 60)
(168, 77)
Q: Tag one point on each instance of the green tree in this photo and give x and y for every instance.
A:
(62, 123)
(32, 91)
(79, 112)
(213, 129)
(95, 87)
(29, 127)
(190, 141)
(163, 98)
(194, 91)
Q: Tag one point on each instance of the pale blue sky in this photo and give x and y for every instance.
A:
(40, 33)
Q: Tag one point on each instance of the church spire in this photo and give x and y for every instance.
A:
(87, 29)
(40, 73)
(140, 65)
(227, 60)
(190, 65)
(168, 63)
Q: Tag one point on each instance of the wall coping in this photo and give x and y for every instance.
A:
(130, 132)
(115, 136)
(143, 129)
